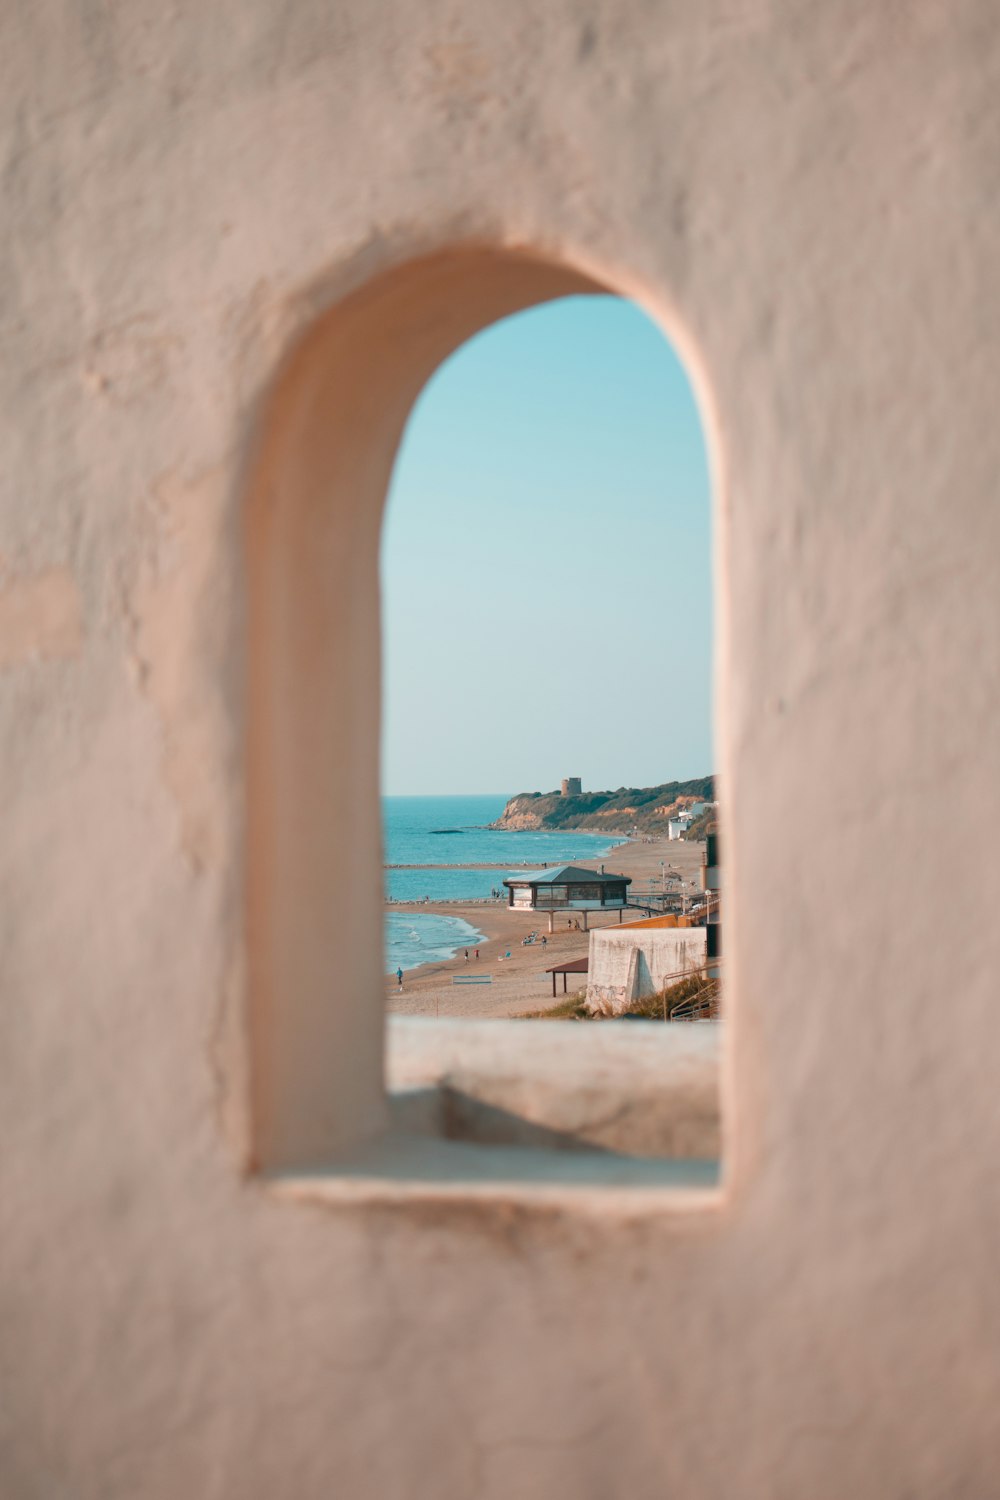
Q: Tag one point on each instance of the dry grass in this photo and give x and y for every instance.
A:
(572, 1008)
(695, 990)
(691, 992)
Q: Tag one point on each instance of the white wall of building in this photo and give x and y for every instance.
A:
(627, 965)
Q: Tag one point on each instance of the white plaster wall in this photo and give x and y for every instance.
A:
(812, 193)
(626, 966)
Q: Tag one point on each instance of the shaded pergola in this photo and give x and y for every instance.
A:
(574, 966)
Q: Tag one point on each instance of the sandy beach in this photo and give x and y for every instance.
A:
(520, 984)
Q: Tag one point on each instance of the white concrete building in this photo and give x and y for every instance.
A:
(631, 962)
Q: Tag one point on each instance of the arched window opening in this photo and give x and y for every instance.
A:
(547, 602)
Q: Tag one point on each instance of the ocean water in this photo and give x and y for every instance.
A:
(452, 831)
(412, 940)
(442, 885)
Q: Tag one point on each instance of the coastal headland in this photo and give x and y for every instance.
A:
(634, 809)
(519, 984)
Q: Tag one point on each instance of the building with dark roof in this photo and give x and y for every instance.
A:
(568, 888)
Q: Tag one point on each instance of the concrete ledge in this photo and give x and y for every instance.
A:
(595, 1117)
(404, 1169)
(631, 1088)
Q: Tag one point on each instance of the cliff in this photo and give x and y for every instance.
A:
(647, 808)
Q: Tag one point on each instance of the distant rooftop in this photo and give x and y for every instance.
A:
(567, 875)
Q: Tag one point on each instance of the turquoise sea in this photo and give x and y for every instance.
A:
(452, 831)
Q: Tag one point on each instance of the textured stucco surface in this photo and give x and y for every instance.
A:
(808, 199)
(626, 966)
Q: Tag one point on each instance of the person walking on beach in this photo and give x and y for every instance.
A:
(477, 955)
(399, 979)
(466, 955)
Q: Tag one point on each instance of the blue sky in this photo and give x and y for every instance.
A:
(546, 563)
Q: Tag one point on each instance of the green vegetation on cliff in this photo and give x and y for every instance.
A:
(646, 808)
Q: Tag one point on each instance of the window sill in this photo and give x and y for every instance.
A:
(602, 1116)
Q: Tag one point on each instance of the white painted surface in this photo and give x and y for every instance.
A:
(628, 965)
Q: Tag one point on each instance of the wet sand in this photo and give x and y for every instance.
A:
(520, 983)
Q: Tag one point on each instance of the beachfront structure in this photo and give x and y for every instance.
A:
(629, 963)
(572, 966)
(572, 786)
(568, 888)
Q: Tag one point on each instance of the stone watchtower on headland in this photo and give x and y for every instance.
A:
(572, 786)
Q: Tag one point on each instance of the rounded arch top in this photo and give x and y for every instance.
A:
(368, 354)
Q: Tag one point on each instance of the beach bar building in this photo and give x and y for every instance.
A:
(568, 888)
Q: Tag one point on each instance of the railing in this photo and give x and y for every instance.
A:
(675, 903)
(703, 1005)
